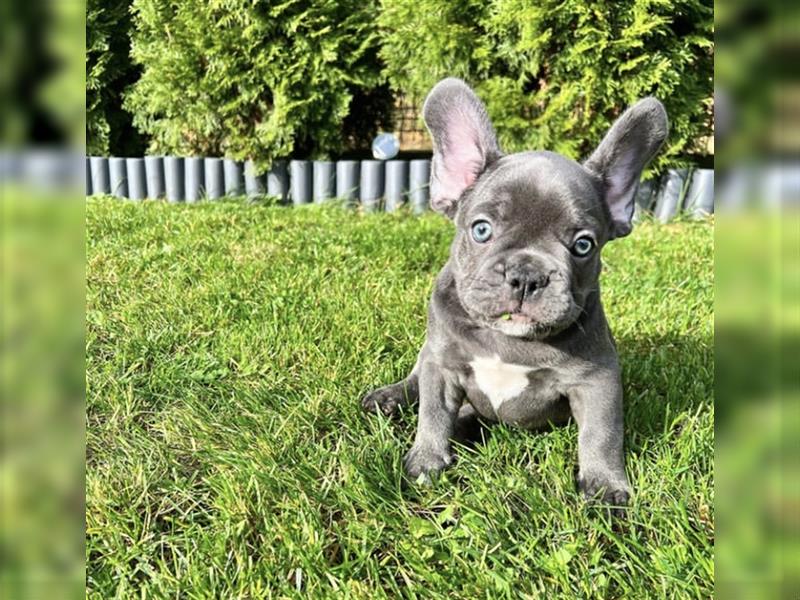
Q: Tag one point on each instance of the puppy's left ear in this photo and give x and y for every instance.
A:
(633, 140)
(464, 142)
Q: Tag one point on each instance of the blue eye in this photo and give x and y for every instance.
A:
(583, 246)
(481, 231)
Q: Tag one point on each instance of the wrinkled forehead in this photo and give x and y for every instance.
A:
(537, 188)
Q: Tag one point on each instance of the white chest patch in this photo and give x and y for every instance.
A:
(498, 380)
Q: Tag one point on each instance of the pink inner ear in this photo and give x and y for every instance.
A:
(462, 159)
(620, 188)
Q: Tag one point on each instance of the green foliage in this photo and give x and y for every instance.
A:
(63, 93)
(751, 73)
(256, 80)
(109, 72)
(228, 456)
(555, 73)
(28, 64)
(268, 78)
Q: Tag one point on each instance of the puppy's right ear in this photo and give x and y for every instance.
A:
(464, 142)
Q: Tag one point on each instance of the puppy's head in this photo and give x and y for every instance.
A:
(530, 226)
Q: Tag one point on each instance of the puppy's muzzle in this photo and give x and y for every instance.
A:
(526, 277)
(526, 282)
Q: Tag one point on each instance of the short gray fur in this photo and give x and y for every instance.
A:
(118, 176)
(137, 180)
(301, 181)
(348, 174)
(173, 176)
(371, 184)
(278, 180)
(154, 170)
(396, 184)
(234, 177)
(516, 329)
(214, 178)
(418, 184)
(324, 180)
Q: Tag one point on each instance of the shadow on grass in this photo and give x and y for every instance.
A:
(664, 377)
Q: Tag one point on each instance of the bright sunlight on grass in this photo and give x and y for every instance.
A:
(227, 455)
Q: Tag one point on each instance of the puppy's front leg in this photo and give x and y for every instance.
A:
(597, 409)
(440, 397)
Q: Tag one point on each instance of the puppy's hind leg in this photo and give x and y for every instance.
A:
(388, 398)
(469, 430)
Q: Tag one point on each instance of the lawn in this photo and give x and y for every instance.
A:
(227, 348)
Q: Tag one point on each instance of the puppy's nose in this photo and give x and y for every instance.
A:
(525, 280)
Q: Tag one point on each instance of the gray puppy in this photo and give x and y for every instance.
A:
(516, 329)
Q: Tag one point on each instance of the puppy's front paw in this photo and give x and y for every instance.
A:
(427, 461)
(385, 399)
(605, 489)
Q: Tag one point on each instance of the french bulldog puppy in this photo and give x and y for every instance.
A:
(516, 330)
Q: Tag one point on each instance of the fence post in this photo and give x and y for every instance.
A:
(253, 183)
(214, 178)
(300, 181)
(700, 196)
(234, 182)
(137, 182)
(670, 194)
(278, 180)
(173, 174)
(372, 180)
(101, 182)
(396, 183)
(419, 184)
(324, 181)
(193, 187)
(348, 173)
(118, 176)
(154, 172)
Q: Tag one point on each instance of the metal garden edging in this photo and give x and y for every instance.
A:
(300, 181)
(118, 175)
(214, 178)
(324, 182)
(173, 175)
(137, 181)
(396, 189)
(372, 184)
(154, 173)
(376, 184)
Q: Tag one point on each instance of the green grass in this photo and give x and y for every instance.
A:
(227, 454)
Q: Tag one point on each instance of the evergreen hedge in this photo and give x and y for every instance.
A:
(257, 79)
(109, 73)
(263, 79)
(32, 63)
(555, 73)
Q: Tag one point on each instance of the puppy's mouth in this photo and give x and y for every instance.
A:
(536, 316)
(515, 316)
(518, 323)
